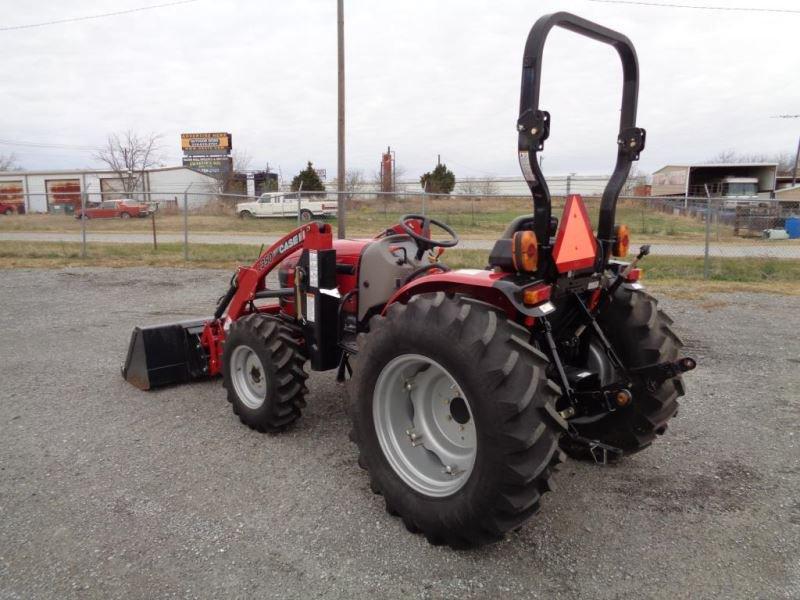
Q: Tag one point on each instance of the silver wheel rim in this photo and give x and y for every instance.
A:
(248, 377)
(424, 425)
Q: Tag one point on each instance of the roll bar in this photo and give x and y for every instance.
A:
(533, 124)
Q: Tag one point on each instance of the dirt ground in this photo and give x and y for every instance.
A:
(109, 492)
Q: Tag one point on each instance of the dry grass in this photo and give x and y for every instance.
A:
(699, 290)
(783, 277)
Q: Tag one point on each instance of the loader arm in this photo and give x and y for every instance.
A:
(167, 354)
(248, 281)
(533, 124)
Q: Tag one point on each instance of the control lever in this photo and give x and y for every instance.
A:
(643, 251)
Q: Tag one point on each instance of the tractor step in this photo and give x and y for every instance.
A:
(168, 354)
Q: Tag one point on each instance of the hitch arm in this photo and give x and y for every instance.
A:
(656, 374)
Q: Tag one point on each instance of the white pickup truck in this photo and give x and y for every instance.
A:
(280, 204)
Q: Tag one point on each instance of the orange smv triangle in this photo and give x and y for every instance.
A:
(576, 247)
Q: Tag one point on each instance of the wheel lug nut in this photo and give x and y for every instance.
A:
(414, 437)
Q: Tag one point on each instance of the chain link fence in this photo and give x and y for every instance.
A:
(690, 237)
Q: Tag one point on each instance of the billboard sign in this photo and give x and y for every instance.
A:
(210, 165)
(206, 143)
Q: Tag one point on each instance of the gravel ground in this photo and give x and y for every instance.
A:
(106, 491)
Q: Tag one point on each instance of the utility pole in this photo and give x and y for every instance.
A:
(340, 174)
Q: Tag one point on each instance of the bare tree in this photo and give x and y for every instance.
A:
(377, 179)
(241, 159)
(129, 155)
(230, 182)
(485, 186)
(488, 186)
(784, 160)
(636, 178)
(8, 162)
(469, 186)
(725, 156)
(354, 180)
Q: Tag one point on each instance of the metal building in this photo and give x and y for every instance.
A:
(58, 190)
(725, 180)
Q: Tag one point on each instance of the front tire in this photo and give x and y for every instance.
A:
(465, 354)
(125, 215)
(262, 370)
(305, 215)
(245, 214)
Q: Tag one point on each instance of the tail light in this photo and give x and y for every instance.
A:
(634, 275)
(536, 294)
(622, 241)
(525, 251)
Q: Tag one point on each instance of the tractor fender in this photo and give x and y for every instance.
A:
(497, 289)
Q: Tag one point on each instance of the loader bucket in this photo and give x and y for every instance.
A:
(161, 355)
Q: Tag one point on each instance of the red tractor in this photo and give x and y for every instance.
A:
(465, 385)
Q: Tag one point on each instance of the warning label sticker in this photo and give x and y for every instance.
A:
(310, 312)
(313, 269)
(525, 165)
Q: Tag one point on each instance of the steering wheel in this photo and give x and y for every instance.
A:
(423, 240)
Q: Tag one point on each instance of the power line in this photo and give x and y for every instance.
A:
(100, 16)
(22, 144)
(726, 8)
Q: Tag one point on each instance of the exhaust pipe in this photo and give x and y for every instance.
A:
(168, 354)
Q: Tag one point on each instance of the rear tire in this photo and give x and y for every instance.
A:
(125, 215)
(641, 335)
(510, 400)
(262, 370)
(8, 212)
(306, 215)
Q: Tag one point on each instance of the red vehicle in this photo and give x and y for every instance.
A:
(112, 209)
(11, 208)
(465, 384)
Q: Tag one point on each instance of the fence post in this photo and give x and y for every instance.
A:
(473, 209)
(155, 240)
(708, 232)
(644, 205)
(186, 226)
(83, 224)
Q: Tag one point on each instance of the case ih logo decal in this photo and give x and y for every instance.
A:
(284, 248)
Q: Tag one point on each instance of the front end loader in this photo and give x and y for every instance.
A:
(466, 386)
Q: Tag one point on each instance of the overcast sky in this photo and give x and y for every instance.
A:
(425, 77)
